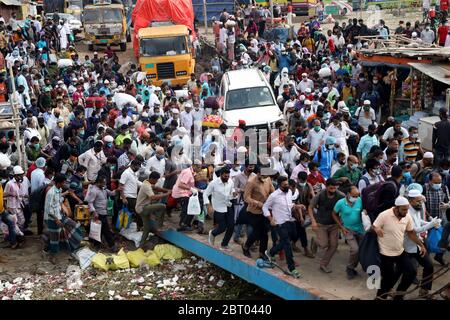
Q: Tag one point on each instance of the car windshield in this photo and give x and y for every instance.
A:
(248, 98)
(163, 46)
(102, 16)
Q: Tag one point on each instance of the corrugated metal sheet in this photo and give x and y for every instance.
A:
(439, 72)
(213, 8)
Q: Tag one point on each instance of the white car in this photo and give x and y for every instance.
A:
(248, 96)
(75, 25)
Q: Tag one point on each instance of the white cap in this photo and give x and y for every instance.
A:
(308, 90)
(277, 149)
(401, 201)
(175, 111)
(350, 46)
(18, 170)
(345, 110)
(304, 74)
(108, 139)
(157, 88)
(302, 97)
(60, 82)
(74, 80)
(187, 105)
(428, 155)
(366, 102)
(414, 34)
(242, 149)
(181, 130)
(414, 193)
(341, 104)
(95, 53)
(106, 81)
(308, 102)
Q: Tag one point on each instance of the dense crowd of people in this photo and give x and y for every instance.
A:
(336, 166)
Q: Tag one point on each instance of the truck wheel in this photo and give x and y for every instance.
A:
(91, 47)
(123, 47)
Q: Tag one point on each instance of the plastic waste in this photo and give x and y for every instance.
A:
(73, 274)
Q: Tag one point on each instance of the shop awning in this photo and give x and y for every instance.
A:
(439, 72)
(11, 2)
(383, 64)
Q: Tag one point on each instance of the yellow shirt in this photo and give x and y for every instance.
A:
(2, 207)
(391, 243)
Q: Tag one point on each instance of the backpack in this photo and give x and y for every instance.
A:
(370, 197)
(422, 174)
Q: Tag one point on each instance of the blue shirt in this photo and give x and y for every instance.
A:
(350, 215)
(366, 143)
(326, 160)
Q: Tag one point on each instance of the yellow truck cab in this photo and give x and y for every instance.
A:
(105, 23)
(165, 53)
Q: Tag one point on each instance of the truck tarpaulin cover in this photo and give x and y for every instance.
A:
(147, 11)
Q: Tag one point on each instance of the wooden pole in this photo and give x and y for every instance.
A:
(205, 16)
(16, 121)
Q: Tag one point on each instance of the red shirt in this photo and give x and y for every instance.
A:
(31, 168)
(331, 45)
(442, 32)
(314, 179)
(443, 5)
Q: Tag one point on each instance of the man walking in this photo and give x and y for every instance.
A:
(441, 136)
(391, 226)
(327, 231)
(278, 209)
(221, 191)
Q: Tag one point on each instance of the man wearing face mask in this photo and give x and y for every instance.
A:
(410, 147)
(427, 35)
(315, 137)
(386, 166)
(325, 156)
(421, 169)
(222, 192)
(256, 192)
(340, 131)
(278, 209)
(350, 173)
(367, 142)
(441, 136)
(93, 159)
(416, 211)
(327, 231)
(391, 227)
(372, 176)
(347, 214)
(437, 203)
(157, 163)
(97, 199)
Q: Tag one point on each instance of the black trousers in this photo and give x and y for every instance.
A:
(301, 234)
(260, 227)
(185, 219)
(391, 269)
(106, 230)
(225, 221)
(428, 269)
(286, 233)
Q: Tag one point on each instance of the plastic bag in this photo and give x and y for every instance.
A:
(434, 236)
(132, 234)
(139, 257)
(121, 99)
(84, 257)
(64, 63)
(168, 252)
(123, 219)
(136, 258)
(369, 251)
(110, 207)
(95, 230)
(194, 208)
(113, 262)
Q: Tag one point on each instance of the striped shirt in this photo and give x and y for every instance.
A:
(408, 150)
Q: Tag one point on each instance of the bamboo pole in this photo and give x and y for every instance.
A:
(16, 122)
